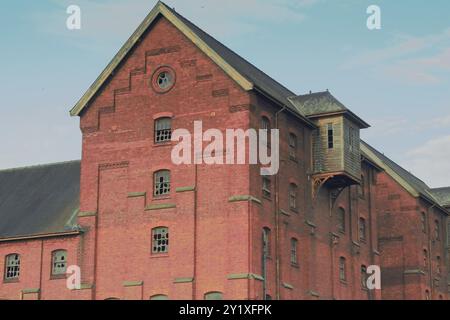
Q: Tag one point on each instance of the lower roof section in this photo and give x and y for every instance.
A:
(39, 200)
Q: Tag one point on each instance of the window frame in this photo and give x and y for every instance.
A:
(15, 278)
(153, 239)
(266, 188)
(342, 269)
(160, 128)
(215, 294)
(293, 146)
(362, 229)
(294, 252)
(266, 237)
(293, 197)
(424, 222)
(330, 136)
(53, 256)
(364, 277)
(157, 184)
(342, 217)
(266, 125)
(437, 230)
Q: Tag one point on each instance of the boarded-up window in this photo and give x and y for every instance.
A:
(59, 262)
(12, 269)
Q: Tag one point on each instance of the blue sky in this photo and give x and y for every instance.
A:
(396, 78)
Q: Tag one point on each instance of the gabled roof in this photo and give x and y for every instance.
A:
(319, 104)
(443, 195)
(413, 185)
(39, 200)
(240, 70)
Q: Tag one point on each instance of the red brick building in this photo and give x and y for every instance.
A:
(335, 207)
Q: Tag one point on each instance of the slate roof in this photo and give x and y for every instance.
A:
(260, 80)
(39, 200)
(443, 195)
(412, 182)
(321, 103)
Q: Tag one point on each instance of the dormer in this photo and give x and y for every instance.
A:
(336, 141)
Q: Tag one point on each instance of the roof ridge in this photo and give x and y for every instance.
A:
(440, 188)
(227, 47)
(400, 166)
(43, 165)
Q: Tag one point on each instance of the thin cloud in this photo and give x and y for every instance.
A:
(117, 19)
(431, 161)
(427, 70)
(403, 46)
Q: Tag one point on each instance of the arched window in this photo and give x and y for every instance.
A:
(437, 231)
(342, 269)
(294, 246)
(425, 258)
(427, 295)
(160, 240)
(341, 220)
(159, 297)
(293, 196)
(59, 262)
(265, 125)
(266, 241)
(162, 183)
(12, 267)
(423, 220)
(362, 187)
(364, 277)
(163, 130)
(215, 295)
(362, 229)
(292, 146)
(266, 186)
(330, 135)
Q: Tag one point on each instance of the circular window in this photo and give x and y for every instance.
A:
(163, 79)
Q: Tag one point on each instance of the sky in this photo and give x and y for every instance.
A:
(396, 78)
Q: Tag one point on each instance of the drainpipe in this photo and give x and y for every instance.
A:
(194, 282)
(277, 221)
(430, 269)
(371, 247)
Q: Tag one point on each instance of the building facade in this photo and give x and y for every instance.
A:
(142, 227)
